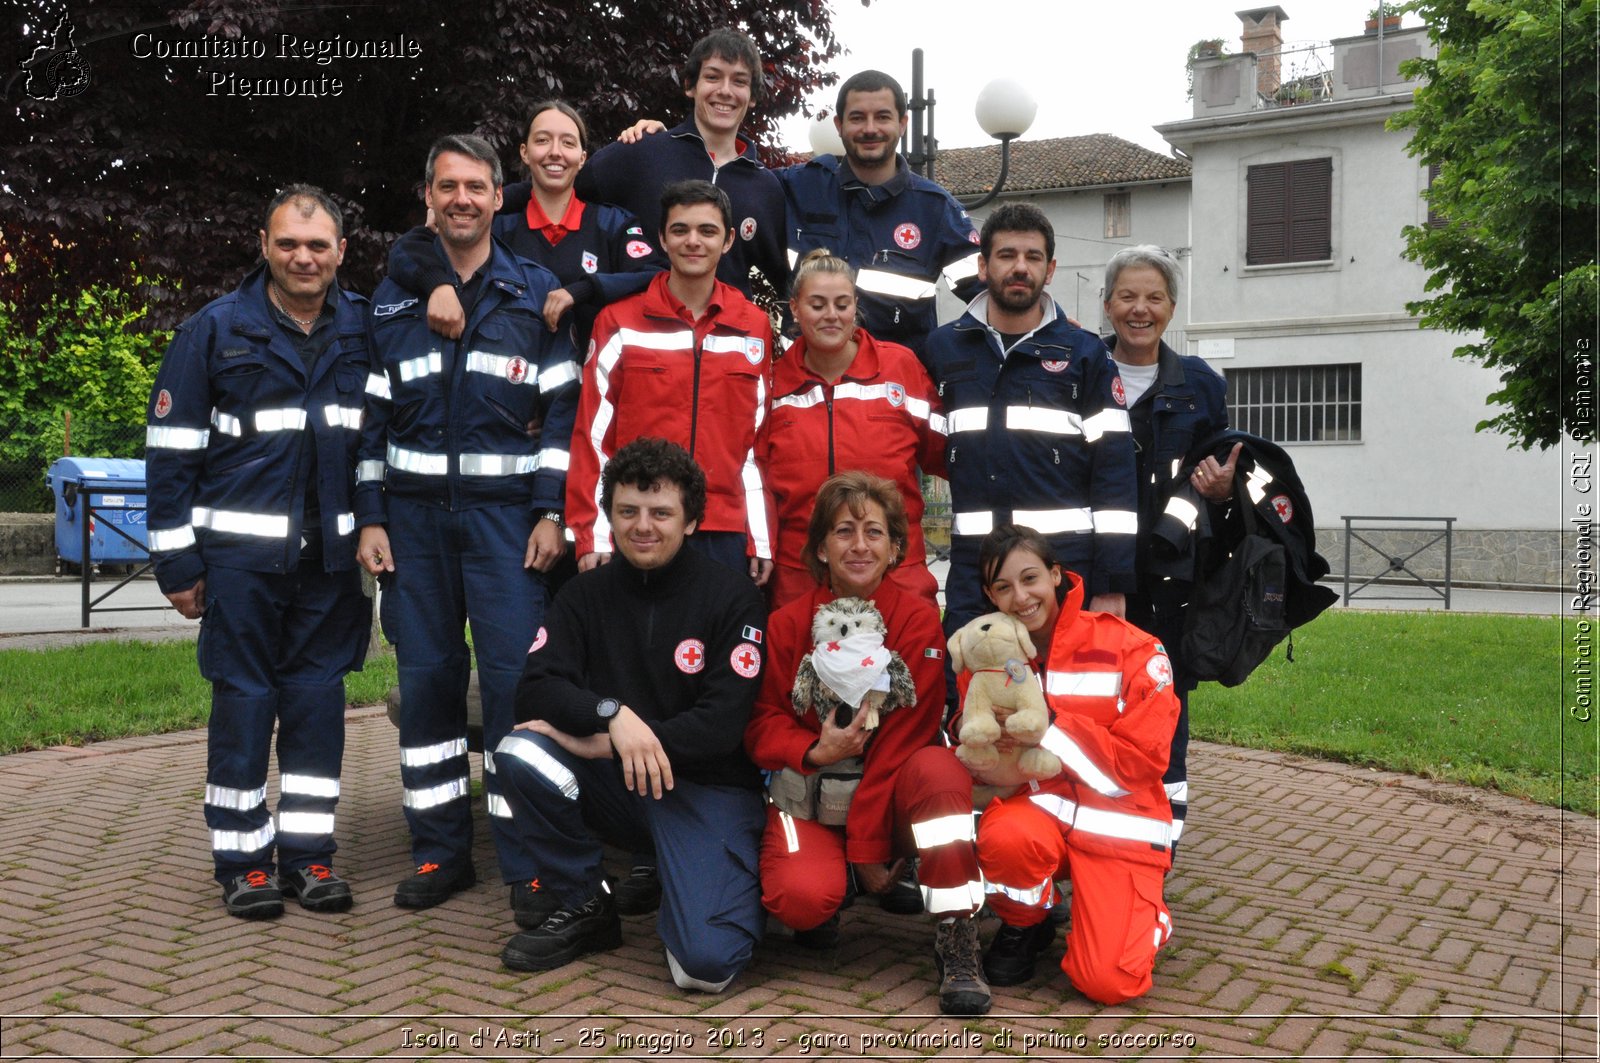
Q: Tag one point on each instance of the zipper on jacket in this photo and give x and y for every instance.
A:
(694, 405)
(827, 399)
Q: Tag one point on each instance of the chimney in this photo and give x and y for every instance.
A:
(1261, 35)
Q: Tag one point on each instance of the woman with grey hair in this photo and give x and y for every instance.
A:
(1174, 401)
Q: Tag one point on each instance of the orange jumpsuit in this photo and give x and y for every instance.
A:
(1104, 821)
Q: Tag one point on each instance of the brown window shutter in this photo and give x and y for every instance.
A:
(1266, 221)
(1310, 210)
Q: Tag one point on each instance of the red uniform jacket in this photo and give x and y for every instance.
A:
(879, 417)
(653, 371)
(777, 738)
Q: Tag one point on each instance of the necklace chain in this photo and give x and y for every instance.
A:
(277, 300)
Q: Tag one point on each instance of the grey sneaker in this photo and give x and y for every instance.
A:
(318, 888)
(253, 895)
(962, 990)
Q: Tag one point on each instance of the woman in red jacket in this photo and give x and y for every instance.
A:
(1104, 821)
(843, 400)
(913, 798)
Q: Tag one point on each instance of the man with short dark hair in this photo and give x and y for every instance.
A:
(688, 359)
(251, 442)
(637, 691)
(722, 75)
(1036, 425)
(901, 231)
(459, 498)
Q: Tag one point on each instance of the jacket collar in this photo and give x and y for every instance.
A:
(977, 316)
(791, 373)
(1067, 619)
(661, 580)
(1169, 366)
(875, 195)
(747, 147)
(659, 301)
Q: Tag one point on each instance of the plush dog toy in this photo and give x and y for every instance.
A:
(849, 667)
(995, 649)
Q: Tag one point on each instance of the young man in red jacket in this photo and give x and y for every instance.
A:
(689, 360)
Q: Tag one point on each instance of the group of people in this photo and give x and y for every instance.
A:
(562, 422)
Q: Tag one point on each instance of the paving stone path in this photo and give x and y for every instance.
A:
(1322, 912)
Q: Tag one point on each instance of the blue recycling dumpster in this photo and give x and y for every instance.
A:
(115, 489)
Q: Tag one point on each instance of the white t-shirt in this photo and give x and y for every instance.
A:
(1136, 380)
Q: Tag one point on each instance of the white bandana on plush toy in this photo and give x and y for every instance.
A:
(853, 665)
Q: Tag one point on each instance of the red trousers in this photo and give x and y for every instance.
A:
(1119, 920)
(803, 863)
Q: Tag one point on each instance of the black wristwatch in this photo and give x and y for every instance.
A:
(607, 710)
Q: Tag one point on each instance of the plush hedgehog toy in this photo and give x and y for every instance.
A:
(849, 667)
(995, 649)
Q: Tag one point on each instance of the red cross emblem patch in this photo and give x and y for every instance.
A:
(517, 370)
(1117, 392)
(1159, 668)
(538, 641)
(1055, 365)
(897, 395)
(591, 264)
(907, 235)
(163, 403)
(1284, 508)
(690, 656)
(747, 229)
(638, 249)
(746, 660)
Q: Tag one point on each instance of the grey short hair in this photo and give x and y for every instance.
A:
(473, 147)
(1157, 258)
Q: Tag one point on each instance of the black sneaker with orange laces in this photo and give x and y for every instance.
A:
(318, 888)
(433, 884)
(531, 904)
(253, 895)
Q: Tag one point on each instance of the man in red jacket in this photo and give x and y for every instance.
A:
(689, 360)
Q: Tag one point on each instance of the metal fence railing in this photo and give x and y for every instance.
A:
(30, 443)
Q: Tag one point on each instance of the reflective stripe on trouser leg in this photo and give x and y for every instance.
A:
(549, 790)
(505, 606)
(424, 616)
(1119, 921)
(1021, 849)
(933, 803)
(803, 870)
(238, 747)
(1177, 777)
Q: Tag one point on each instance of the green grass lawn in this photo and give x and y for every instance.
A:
(100, 690)
(1470, 698)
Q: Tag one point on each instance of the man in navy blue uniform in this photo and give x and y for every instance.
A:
(252, 435)
(459, 497)
(638, 690)
(901, 231)
(722, 75)
(1037, 428)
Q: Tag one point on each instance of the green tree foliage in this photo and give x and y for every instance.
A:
(85, 355)
(1508, 114)
(156, 154)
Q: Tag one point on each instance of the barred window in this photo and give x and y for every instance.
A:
(1297, 404)
(1119, 214)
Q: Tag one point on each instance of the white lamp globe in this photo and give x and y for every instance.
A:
(1005, 108)
(824, 138)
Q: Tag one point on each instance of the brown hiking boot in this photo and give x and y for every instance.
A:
(962, 990)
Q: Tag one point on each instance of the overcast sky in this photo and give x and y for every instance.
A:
(1113, 66)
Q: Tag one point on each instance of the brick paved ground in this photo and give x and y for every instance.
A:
(1321, 911)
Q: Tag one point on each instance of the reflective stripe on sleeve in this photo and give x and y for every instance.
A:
(945, 830)
(554, 772)
(288, 419)
(1256, 483)
(371, 471)
(305, 822)
(434, 796)
(961, 269)
(236, 800)
(498, 806)
(1105, 421)
(345, 523)
(233, 522)
(554, 458)
(439, 752)
(309, 785)
(378, 385)
(1083, 684)
(557, 375)
(226, 423)
(895, 285)
(239, 841)
(1077, 761)
(179, 538)
(1183, 511)
(176, 438)
(342, 416)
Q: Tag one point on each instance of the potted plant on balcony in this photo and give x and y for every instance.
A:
(1390, 14)
(1205, 48)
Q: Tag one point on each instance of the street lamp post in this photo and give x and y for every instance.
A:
(1005, 110)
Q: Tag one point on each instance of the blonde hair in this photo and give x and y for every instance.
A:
(819, 262)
